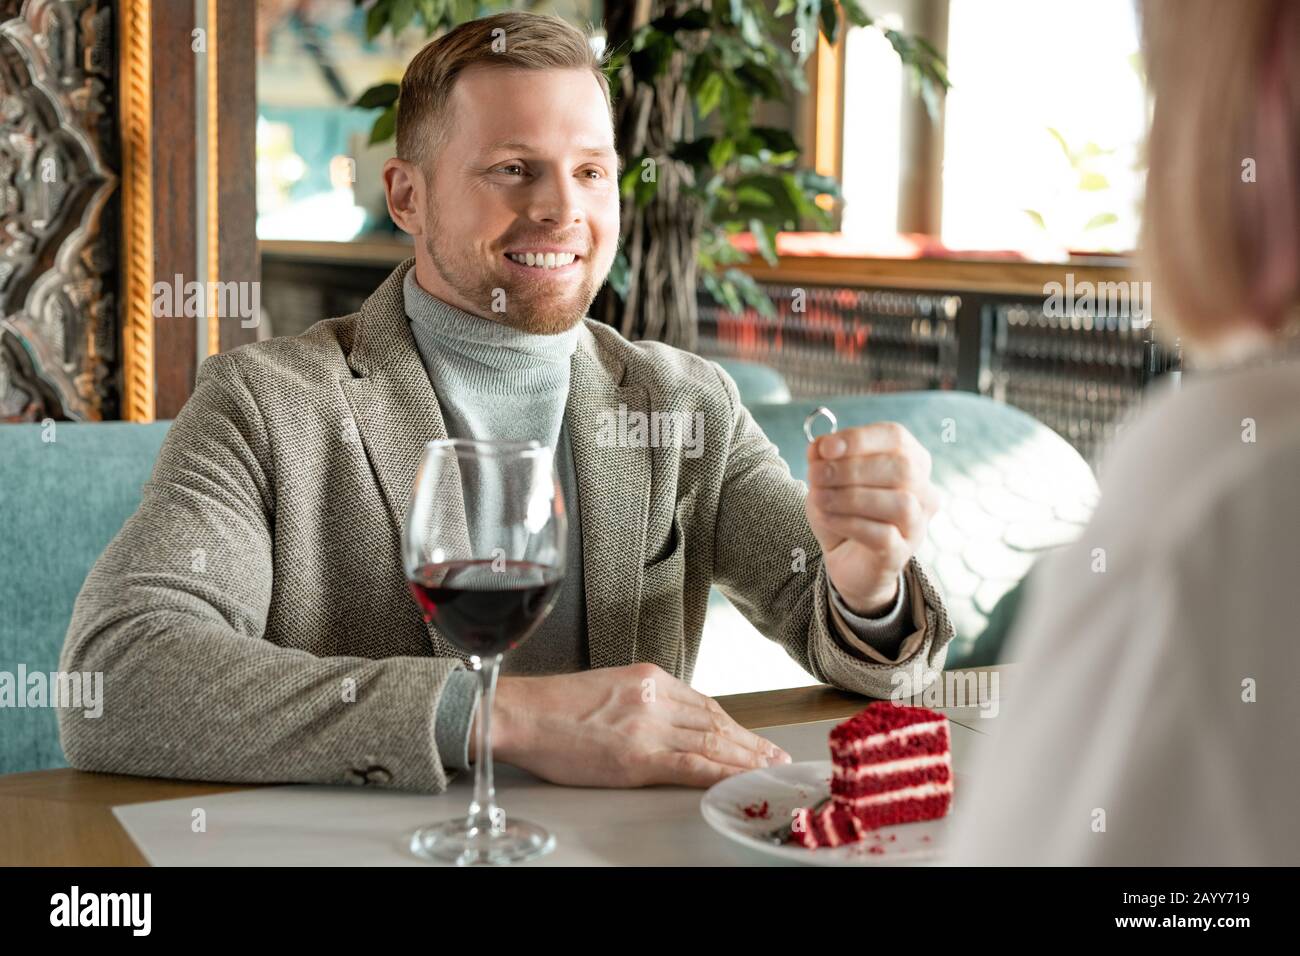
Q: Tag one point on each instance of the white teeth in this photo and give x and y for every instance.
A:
(543, 260)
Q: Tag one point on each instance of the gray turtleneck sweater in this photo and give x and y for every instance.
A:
(494, 381)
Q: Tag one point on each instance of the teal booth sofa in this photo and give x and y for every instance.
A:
(65, 490)
(1011, 487)
(757, 383)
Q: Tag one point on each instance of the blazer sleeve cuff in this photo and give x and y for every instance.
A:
(891, 639)
(454, 717)
(884, 631)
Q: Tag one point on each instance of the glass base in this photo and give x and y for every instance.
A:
(454, 841)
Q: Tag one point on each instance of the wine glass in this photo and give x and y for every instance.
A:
(486, 576)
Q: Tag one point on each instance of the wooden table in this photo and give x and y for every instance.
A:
(65, 817)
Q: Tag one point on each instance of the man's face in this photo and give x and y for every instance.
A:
(528, 167)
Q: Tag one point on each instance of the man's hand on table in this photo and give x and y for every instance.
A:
(869, 503)
(619, 727)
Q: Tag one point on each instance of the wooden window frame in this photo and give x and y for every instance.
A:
(160, 200)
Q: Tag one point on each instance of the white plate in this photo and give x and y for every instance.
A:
(789, 786)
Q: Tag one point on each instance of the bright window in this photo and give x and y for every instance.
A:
(1045, 123)
(1042, 135)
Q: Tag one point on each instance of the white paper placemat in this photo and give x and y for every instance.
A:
(332, 826)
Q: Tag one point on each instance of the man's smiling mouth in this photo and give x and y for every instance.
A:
(544, 260)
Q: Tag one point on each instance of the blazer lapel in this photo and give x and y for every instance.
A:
(395, 409)
(614, 500)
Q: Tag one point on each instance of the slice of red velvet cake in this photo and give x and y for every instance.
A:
(891, 765)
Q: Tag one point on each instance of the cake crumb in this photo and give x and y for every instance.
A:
(758, 811)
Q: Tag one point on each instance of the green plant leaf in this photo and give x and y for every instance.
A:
(385, 125)
(730, 297)
(721, 151)
(765, 240)
(627, 185)
(711, 286)
(1091, 150)
(830, 19)
(400, 17)
(645, 190)
(737, 109)
(652, 56)
(751, 292)
(762, 81)
(431, 12)
(816, 184)
(1093, 181)
(1101, 219)
(710, 94)
(933, 61)
(753, 196)
(382, 95)
(695, 153)
(855, 14)
(1037, 217)
(619, 275)
(1060, 140)
(696, 19)
(781, 209)
(703, 67)
(377, 18)
(776, 139)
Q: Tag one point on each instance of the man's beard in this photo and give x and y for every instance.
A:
(507, 299)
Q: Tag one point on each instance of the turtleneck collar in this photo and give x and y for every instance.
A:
(493, 345)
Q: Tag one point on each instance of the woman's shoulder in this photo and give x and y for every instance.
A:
(1200, 444)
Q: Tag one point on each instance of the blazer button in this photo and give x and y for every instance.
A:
(369, 775)
(355, 777)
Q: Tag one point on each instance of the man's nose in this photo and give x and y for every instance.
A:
(554, 200)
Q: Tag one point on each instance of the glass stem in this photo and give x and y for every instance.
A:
(484, 815)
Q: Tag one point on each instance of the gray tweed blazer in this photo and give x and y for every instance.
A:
(252, 621)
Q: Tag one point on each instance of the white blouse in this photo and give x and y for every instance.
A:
(1155, 716)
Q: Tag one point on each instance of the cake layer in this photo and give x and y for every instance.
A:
(940, 772)
(860, 803)
(831, 826)
(905, 811)
(934, 745)
(928, 737)
(885, 768)
(880, 717)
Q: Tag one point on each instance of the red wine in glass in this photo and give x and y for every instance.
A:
(483, 551)
(485, 607)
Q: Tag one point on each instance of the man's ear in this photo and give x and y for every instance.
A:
(406, 192)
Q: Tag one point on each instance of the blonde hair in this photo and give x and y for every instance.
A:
(513, 40)
(1222, 246)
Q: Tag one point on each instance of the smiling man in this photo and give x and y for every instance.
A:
(252, 617)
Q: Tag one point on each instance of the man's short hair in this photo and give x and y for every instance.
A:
(514, 40)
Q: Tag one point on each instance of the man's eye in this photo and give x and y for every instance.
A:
(595, 173)
(511, 166)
